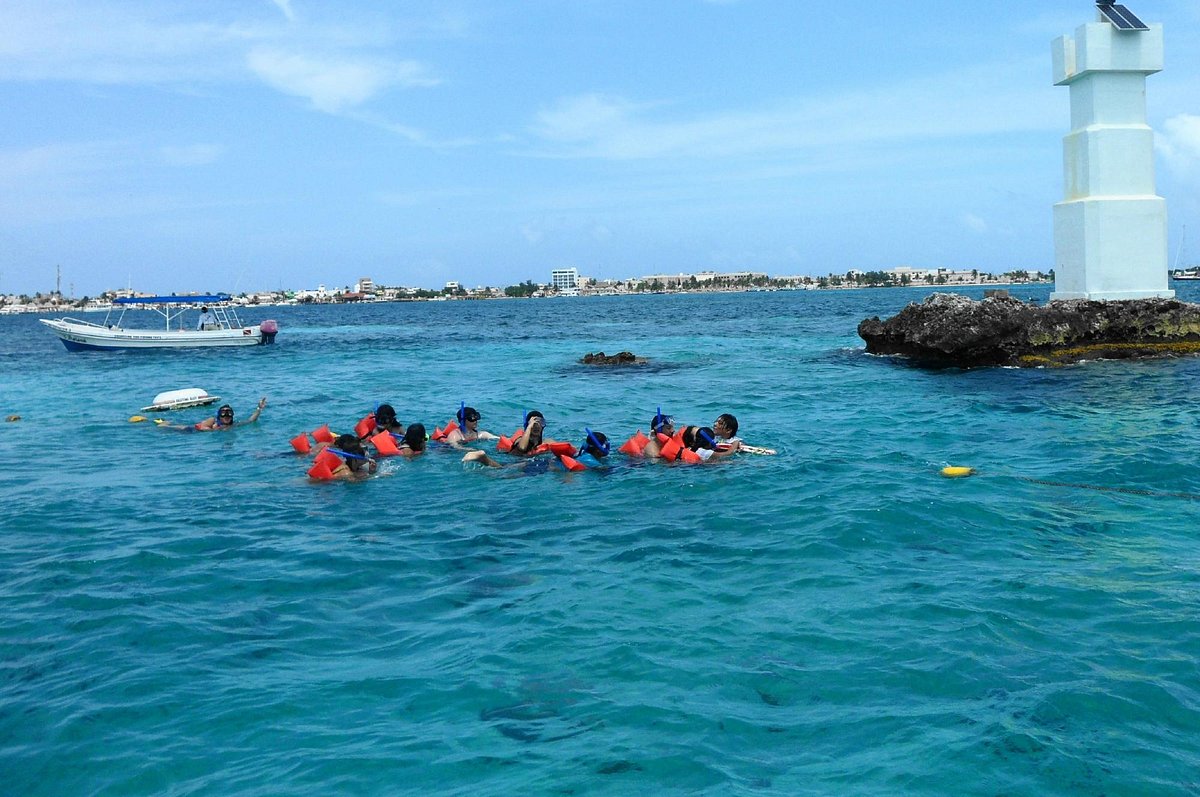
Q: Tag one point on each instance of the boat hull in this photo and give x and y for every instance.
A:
(91, 337)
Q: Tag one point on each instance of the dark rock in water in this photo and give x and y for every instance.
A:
(948, 329)
(620, 358)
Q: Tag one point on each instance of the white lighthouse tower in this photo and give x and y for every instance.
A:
(1110, 230)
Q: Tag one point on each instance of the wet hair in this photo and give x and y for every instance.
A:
(534, 414)
(385, 415)
(465, 414)
(414, 437)
(204, 309)
(730, 422)
(661, 422)
(350, 444)
(689, 436)
(703, 437)
(534, 438)
(596, 444)
(222, 409)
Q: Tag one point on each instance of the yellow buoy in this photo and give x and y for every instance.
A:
(137, 418)
(957, 472)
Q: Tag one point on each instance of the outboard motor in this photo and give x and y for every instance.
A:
(269, 330)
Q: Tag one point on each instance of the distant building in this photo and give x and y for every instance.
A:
(364, 285)
(565, 281)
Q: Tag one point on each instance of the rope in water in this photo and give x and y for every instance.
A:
(1104, 489)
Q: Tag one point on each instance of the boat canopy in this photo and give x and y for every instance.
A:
(212, 298)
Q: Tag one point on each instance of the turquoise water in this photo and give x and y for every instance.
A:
(186, 614)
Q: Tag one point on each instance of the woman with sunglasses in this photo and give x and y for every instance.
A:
(468, 430)
(223, 421)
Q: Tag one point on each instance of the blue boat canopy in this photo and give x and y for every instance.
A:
(212, 298)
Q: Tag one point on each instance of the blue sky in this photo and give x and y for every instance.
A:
(262, 144)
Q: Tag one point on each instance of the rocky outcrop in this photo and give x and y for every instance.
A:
(948, 329)
(620, 358)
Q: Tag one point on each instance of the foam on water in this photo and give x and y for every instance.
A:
(187, 614)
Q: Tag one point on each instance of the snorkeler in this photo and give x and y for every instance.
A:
(594, 449)
(468, 430)
(662, 428)
(222, 422)
(527, 444)
(413, 443)
(383, 420)
(355, 462)
(530, 440)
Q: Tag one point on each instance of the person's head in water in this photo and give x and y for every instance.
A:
(349, 445)
(662, 424)
(703, 437)
(595, 444)
(225, 415)
(468, 418)
(414, 437)
(385, 416)
(725, 426)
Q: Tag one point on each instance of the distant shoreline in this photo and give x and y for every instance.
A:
(65, 307)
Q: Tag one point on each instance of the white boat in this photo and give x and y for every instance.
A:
(224, 330)
(181, 399)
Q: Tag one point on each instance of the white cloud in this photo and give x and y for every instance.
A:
(979, 101)
(974, 223)
(286, 7)
(333, 84)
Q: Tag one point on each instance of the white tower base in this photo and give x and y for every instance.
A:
(1104, 246)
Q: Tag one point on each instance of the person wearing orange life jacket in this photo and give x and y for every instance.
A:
(384, 420)
(468, 430)
(527, 444)
(355, 462)
(594, 449)
(530, 441)
(662, 428)
(702, 441)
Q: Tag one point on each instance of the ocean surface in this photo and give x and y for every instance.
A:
(187, 614)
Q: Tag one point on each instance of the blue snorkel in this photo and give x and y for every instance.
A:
(347, 454)
(603, 448)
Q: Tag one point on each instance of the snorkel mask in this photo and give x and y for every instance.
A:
(594, 443)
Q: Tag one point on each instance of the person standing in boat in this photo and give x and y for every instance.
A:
(207, 320)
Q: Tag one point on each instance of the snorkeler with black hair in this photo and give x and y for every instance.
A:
(594, 449)
(662, 429)
(384, 420)
(468, 430)
(355, 462)
(413, 443)
(221, 422)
